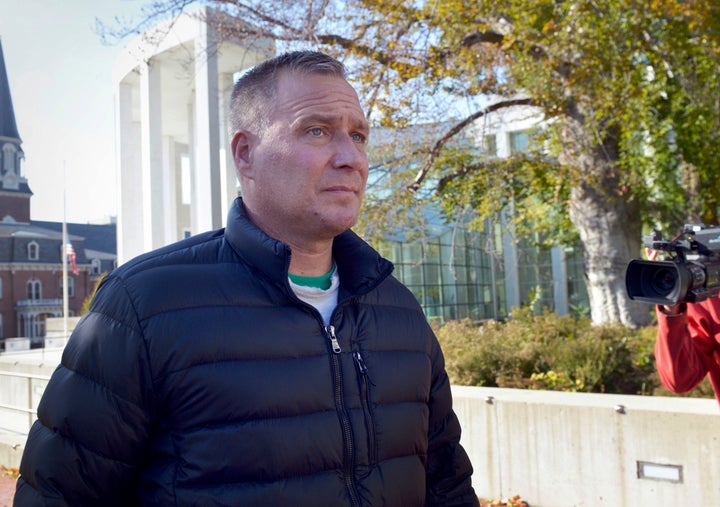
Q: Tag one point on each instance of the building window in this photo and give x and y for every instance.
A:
(95, 267)
(33, 251)
(2, 331)
(452, 275)
(519, 141)
(9, 158)
(535, 275)
(1, 288)
(71, 286)
(34, 290)
(489, 145)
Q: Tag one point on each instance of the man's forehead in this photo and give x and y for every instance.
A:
(318, 96)
(323, 116)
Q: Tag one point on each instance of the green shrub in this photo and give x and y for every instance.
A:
(88, 300)
(548, 351)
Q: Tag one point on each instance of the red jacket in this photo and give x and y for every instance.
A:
(688, 347)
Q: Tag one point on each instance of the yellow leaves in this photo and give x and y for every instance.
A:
(515, 501)
(700, 15)
(549, 27)
(508, 42)
(555, 381)
(13, 472)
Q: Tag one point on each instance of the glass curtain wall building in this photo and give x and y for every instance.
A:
(453, 272)
(458, 273)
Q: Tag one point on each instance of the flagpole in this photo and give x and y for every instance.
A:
(64, 257)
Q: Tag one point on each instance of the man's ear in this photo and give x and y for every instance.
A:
(241, 145)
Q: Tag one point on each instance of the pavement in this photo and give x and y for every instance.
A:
(7, 487)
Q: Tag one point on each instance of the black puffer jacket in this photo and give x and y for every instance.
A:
(198, 378)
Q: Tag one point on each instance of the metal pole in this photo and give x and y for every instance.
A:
(64, 257)
(31, 415)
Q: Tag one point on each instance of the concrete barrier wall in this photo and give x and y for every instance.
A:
(23, 377)
(554, 449)
(591, 450)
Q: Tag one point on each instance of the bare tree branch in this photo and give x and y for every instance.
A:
(481, 38)
(440, 143)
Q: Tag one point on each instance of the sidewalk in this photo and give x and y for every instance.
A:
(7, 489)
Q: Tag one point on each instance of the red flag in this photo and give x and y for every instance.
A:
(70, 252)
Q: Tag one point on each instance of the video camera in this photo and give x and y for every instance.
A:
(691, 275)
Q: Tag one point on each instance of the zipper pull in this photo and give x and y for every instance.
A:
(360, 362)
(333, 339)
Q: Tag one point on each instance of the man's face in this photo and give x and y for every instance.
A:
(304, 176)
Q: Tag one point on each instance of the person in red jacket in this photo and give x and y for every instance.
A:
(687, 347)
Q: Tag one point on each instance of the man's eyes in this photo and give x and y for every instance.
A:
(357, 137)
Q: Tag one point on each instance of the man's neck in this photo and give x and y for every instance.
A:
(309, 257)
(315, 261)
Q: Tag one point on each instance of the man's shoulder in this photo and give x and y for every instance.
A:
(393, 291)
(197, 272)
(200, 249)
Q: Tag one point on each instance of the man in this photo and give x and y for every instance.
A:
(275, 362)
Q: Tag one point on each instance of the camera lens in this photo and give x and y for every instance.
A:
(663, 281)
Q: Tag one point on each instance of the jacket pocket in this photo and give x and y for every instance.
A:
(365, 387)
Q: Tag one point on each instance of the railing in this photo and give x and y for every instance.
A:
(29, 410)
(21, 303)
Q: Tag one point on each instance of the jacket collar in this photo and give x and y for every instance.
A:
(360, 267)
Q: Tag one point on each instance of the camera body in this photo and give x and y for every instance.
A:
(691, 275)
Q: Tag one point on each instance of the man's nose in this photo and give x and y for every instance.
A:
(349, 154)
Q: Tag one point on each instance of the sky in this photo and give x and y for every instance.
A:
(60, 76)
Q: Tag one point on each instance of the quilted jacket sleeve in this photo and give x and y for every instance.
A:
(93, 419)
(449, 469)
(686, 344)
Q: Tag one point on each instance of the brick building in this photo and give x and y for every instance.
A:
(31, 269)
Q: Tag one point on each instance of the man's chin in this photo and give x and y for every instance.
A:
(340, 223)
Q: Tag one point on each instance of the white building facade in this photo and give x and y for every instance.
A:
(172, 86)
(176, 176)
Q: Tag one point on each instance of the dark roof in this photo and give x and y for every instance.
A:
(10, 229)
(23, 188)
(98, 237)
(8, 127)
(14, 238)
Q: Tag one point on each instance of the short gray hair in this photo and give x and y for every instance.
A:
(254, 92)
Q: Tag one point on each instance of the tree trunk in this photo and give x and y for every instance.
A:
(609, 225)
(611, 236)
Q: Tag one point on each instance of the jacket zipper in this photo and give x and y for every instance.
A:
(333, 339)
(344, 418)
(365, 383)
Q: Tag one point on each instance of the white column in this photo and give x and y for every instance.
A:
(195, 222)
(152, 161)
(128, 176)
(228, 180)
(170, 183)
(206, 207)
